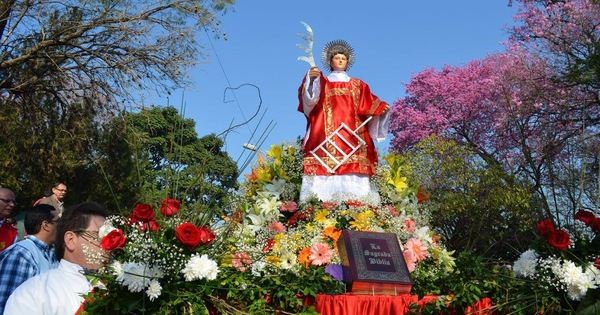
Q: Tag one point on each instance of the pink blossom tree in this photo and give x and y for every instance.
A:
(507, 108)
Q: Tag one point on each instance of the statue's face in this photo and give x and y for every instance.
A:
(339, 62)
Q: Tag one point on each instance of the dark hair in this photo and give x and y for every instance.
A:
(35, 216)
(58, 183)
(76, 219)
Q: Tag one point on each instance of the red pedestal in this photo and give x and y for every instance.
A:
(349, 304)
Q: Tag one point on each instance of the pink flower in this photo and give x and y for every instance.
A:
(277, 227)
(240, 261)
(410, 225)
(320, 254)
(410, 259)
(392, 210)
(416, 246)
(289, 206)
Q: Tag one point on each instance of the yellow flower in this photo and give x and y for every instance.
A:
(276, 151)
(362, 221)
(274, 260)
(321, 215)
(398, 181)
(264, 175)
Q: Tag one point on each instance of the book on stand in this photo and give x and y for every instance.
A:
(373, 263)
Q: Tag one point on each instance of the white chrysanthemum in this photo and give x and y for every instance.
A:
(525, 265)
(576, 280)
(134, 276)
(200, 267)
(154, 289)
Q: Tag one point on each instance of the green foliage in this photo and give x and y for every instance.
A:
(286, 291)
(474, 205)
(160, 155)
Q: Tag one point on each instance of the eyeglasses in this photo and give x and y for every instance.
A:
(7, 201)
(89, 235)
(61, 190)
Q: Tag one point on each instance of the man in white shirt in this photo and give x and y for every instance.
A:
(59, 291)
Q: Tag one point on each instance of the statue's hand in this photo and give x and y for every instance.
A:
(314, 73)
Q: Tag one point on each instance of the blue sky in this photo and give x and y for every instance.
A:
(393, 40)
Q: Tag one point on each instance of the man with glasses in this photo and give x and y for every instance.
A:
(31, 256)
(8, 232)
(59, 190)
(60, 291)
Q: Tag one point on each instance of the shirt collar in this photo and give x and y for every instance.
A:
(338, 76)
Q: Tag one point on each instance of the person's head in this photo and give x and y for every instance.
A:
(7, 202)
(41, 221)
(338, 62)
(77, 236)
(59, 190)
(338, 55)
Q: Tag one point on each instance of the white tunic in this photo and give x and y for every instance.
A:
(56, 292)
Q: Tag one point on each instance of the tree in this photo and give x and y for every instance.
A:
(155, 153)
(565, 31)
(474, 206)
(510, 111)
(66, 67)
(65, 50)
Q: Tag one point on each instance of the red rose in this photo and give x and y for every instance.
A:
(559, 239)
(170, 207)
(585, 216)
(152, 225)
(545, 228)
(596, 225)
(143, 212)
(206, 235)
(113, 240)
(597, 263)
(188, 234)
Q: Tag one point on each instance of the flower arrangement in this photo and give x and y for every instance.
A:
(270, 254)
(152, 257)
(564, 264)
(275, 232)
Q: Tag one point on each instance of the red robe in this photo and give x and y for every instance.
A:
(348, 102)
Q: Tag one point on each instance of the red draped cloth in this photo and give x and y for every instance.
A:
(350, 103)
(8, 233)
(349, 304)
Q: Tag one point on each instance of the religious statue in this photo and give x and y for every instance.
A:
(343, 118)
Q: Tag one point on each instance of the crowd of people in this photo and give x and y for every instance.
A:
(44, 268)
